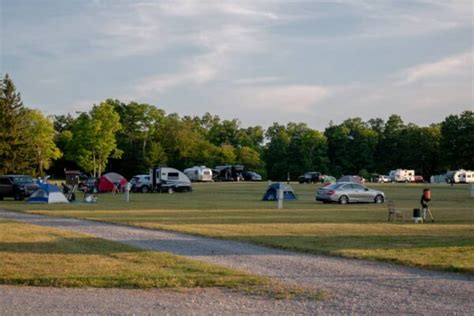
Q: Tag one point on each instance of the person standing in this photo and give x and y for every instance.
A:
(425, 198)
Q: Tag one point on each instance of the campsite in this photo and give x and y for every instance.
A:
(236, 211)
(222, 157)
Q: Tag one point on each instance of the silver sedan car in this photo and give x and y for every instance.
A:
(348, 192)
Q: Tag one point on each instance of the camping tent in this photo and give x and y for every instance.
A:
(440, 178)
(355, 179)
(47, 193)
(271, 194)
(328, 179)
(111, 180)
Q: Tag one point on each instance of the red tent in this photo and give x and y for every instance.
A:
(110, 180)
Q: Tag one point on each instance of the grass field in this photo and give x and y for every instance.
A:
(33, 255)
(235, 211)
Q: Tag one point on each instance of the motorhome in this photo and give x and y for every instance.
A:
(169, 180)
(199, 173)
(402, 175)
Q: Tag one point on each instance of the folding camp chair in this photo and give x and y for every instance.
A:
(394, 213)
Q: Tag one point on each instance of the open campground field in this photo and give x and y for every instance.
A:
(235, 211)
(41, 256)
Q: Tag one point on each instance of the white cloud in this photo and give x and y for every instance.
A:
(246, 9)
(257, 80)
(282, 98)
(221, 48)
(410, 18)
(452, 66)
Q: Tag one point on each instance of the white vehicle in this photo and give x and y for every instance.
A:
(402, 175)
(141, 183)
(456, 176)
(166, 179)
(384, 179)
(466, 177)
(199, 173)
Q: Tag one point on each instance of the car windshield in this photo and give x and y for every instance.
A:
(23, 180)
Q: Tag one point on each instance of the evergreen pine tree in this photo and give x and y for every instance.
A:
(13, 142)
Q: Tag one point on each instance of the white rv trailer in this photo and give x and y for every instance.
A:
(456, 176)
(166, 179)
(402, 175)
(467, 176)
(199, 173)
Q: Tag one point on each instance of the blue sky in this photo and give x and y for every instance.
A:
(258, 61)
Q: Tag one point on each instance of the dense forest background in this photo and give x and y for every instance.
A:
(129, 138)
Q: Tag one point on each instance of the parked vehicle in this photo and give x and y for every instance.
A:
(348, 192)
(381, 179)
(353, 179)
(419, 179)
(17, 186)
(75, 177)
(199, 173)
(460, 176)
(89, 185)
(169, 180)
(467, 177)
(251, 176)
(228, 173)
(310, 177)
(402, 175)
(141, 183)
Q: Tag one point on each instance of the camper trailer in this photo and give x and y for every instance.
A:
(402, 175)
(467, 177)
(199, 173)
(459, 176)
(169, 180)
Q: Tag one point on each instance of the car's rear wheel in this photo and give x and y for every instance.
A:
(378, 199)
(343, 199)
(145, 189)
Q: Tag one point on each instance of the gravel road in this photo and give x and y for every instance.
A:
(16, 300)
(357, 286)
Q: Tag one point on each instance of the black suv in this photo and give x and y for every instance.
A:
(16, 186)
(310, 177)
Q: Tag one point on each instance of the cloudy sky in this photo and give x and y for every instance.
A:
(258, 61)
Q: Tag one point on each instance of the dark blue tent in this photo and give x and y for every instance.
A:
(47, 193)
(271, 194)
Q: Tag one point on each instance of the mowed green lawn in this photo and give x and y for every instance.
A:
(34, 255)
(235, 211)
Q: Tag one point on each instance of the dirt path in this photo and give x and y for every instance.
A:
(358, 286)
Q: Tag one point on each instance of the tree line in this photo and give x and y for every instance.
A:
(130, 138)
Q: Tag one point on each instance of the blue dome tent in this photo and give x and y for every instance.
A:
(47, 193)
(271, 194)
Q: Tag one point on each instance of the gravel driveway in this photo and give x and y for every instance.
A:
(357, 286)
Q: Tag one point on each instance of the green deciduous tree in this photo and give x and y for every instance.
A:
(94, 141)
(42, 148)
(457, 141)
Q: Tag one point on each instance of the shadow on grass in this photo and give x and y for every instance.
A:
(82, 246)
(334, 243)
